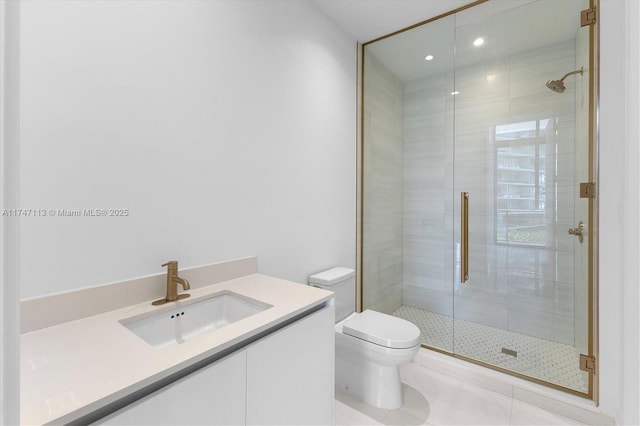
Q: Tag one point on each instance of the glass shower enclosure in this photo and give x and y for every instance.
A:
(475, 141)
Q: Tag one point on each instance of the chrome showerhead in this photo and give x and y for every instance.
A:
(558, 85)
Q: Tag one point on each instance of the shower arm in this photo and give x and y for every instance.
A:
(580, 71)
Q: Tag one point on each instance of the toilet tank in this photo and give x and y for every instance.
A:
(341, 281)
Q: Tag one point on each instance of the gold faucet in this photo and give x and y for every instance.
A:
(172, 284)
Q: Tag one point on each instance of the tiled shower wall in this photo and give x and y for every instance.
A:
(409, 234)
(428, 266)
(521, 289)
(382, 191)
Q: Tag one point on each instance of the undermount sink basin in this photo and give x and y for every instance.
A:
(188, 319)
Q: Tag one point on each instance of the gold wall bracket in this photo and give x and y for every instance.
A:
(588, 17)
(588, 363)
(587, 190)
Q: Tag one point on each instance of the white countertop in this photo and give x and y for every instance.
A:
(72, 369)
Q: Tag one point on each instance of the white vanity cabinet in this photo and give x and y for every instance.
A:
(285, 377)
(213, 395)
(290, 374)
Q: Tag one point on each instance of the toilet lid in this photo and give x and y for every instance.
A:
(383, 330)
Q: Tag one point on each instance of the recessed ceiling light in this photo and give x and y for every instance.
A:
(428, 57)
(478, 42)
(455, 93)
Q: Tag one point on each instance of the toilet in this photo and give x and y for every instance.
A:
(370, 346)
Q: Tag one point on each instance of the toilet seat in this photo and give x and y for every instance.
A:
(382, 329)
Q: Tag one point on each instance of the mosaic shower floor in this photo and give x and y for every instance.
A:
(552, 362)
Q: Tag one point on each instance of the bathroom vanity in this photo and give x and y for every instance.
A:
(270, 363)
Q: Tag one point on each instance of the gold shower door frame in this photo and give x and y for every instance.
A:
(592, 220)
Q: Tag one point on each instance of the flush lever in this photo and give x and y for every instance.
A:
(578, 232)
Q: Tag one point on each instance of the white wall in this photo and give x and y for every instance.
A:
(9, 197)
(227, 129)
(618, 199)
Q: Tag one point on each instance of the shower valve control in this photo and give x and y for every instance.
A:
(578, 232)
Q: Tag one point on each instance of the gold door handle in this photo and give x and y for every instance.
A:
(464, 237)
(578, 232)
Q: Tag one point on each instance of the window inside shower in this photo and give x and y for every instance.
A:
(520, 182)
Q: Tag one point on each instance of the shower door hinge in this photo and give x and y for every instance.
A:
(587, 190)
(588, 363)
(587, 17)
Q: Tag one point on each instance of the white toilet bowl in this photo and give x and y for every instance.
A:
(370, 347)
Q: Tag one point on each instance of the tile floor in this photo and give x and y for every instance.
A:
(434, 398)
(543, 359)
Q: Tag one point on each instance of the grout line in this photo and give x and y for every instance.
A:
(511, 410)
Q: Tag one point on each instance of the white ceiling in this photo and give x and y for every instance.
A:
(366, 20)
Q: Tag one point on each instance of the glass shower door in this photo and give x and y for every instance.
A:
(407, 237)
(486, 111)
(518, 151)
